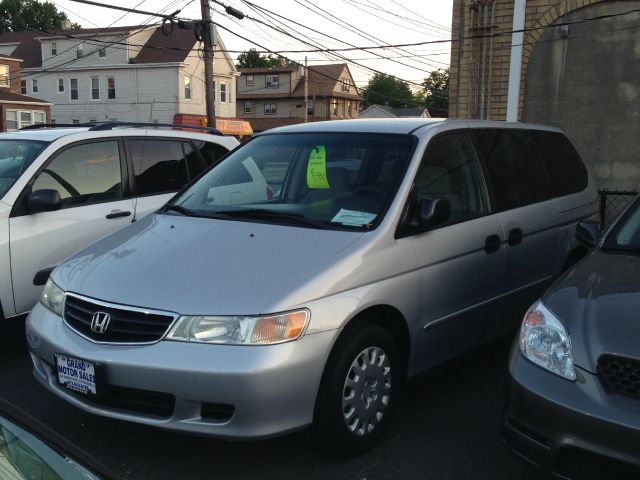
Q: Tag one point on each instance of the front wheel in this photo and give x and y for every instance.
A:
(358, 390)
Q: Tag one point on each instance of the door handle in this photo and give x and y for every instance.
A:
(117, 214)
(515, 237)
(492, 244)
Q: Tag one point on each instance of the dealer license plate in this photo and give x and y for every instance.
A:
(76, 374)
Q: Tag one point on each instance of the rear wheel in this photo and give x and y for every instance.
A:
(358, 390)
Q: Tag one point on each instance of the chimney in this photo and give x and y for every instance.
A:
(65, 24)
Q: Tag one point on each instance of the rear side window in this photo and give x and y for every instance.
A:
(515, 167)
(211, 152)
(159, 165)
(566, 170)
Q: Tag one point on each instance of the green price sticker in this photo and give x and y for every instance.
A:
(317, 168)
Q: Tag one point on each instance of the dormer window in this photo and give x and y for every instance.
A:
(4, 75)
(346, 86)
(54, 49)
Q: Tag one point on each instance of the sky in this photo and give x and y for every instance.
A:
(328, 24)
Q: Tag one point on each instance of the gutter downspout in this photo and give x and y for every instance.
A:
(515, 67)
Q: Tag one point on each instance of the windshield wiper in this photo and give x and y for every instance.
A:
(264, 214)
(172, 207)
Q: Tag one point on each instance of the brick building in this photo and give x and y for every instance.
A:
(579, 71)
(18, 110)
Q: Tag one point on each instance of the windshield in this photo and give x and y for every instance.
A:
(15, 157)
(626, 234)
(327, 180)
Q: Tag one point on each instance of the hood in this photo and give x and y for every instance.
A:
(199, 266)
(599, 302)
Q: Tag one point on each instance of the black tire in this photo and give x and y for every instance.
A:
(330, 428)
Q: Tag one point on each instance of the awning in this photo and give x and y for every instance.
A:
(233, 127)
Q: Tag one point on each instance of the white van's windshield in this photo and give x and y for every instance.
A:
(15, 157)
(327, 180)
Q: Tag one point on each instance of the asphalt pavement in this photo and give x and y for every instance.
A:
(447, 426)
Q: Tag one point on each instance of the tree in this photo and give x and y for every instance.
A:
(387, 90)
(25, 14)
(251, 58)
(436, 92)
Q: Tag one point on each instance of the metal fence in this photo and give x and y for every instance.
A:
(612, 203)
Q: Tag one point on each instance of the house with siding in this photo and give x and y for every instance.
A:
(274, 96)
(135, 74)
(17, 109)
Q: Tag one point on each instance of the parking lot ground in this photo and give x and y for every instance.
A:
(447, 426)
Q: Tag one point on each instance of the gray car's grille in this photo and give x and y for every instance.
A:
(620, 374)
(126, 325)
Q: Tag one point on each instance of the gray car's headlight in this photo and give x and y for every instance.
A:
(52, 297)
(545, 341)
(258, 330)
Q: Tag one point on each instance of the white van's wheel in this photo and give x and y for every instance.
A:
(357, 393)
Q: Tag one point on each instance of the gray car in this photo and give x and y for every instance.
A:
(381, 248)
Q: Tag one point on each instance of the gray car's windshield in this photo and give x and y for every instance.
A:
(326, 180)
(626, 234)
(15, 157)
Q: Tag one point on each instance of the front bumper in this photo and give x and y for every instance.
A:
(266, 390)
(570, 429)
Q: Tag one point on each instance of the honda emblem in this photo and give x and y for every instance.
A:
(100, 322)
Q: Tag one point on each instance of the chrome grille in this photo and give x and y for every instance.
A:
(126, 324)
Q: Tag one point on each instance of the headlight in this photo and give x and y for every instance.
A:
(52, 297)
(262, 330)
(544, 341)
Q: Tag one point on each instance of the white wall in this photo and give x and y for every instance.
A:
(67, 48)
(136, 93)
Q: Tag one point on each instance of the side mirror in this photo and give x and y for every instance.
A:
(433, 212)
(45, 200)
(588, 233)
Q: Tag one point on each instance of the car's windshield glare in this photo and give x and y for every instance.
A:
(333, 179)
(626, 235)
(15, 157)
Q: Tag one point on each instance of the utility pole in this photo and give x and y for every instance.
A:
(306, 90)
(210, 93)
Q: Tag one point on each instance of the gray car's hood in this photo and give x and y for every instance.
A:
(202, 266)
(599, 302)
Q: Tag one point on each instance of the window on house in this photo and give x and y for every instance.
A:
(272, 81)
(247, 107)
(4, 75)
(223, 92)
(12, 120)
(309, 107)
(92, 121)
(102, 52)
(95, 88)
(60, 85)
(270, 109)
(34, 86)
(54, 49)
(187, 87)
(23, 87)
(215, 94)
(52, 122)
(75, 121)
(249, 80)
(334, 107)
(346, 86)
(79, 52)
(111, 88)
(74, 88)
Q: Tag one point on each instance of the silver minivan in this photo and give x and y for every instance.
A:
(383, 248)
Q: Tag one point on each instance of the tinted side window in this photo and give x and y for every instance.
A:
(211, 152)
(515, 167)
(566, 170)
(449, 170)
(194, 164)
(159, 166)
(83, 174)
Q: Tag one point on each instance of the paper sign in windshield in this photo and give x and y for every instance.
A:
(353, 217)
(317, 168)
